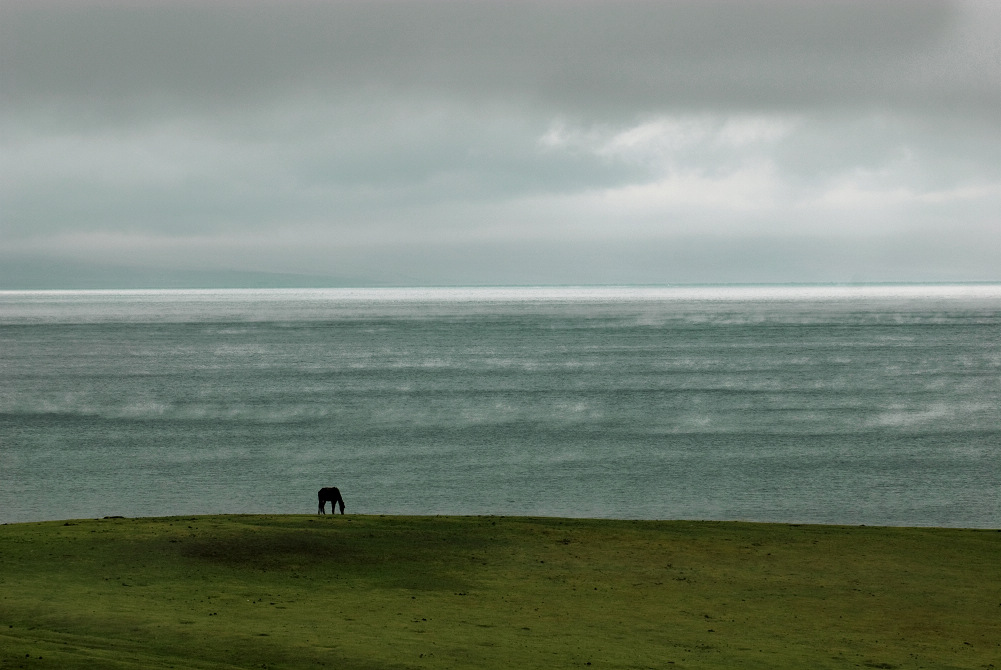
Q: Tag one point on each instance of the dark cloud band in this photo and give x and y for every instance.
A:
(578, 56)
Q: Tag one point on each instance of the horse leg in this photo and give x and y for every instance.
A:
(322, 509)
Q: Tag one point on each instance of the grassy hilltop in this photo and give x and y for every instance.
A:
(494, 592)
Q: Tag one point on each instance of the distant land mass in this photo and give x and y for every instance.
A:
(47, 274)
(690, 260)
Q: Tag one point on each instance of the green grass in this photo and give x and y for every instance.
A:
(494, 592)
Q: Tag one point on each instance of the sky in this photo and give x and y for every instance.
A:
(479, 142)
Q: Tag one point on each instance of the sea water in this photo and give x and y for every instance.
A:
(848, 405)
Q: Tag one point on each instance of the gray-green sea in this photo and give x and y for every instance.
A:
(876, 405)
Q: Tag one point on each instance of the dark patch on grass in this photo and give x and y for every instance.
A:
(398, 556)
(277, 550)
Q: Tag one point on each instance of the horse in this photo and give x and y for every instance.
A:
(332, 494)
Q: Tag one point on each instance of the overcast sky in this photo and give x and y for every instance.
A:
(489, 142)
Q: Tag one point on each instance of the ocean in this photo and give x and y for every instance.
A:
(877, 405)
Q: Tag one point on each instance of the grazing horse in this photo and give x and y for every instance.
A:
(332, 494)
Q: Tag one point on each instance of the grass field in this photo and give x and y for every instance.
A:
(494, 592)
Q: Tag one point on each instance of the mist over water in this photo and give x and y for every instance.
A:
(875, 405)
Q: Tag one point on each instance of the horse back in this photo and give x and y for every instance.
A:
(331, 493)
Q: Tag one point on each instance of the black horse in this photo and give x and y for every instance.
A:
(332, 494)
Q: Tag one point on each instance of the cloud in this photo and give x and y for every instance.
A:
(580, 57)
(452, 138)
